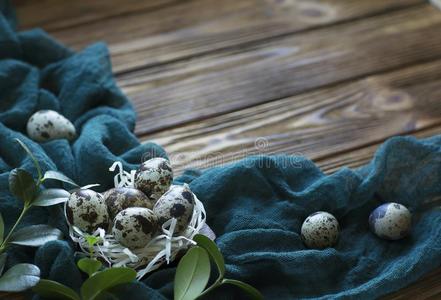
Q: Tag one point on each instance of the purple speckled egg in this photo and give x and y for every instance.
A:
(390, 221)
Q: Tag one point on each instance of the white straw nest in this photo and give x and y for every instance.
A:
(163, 248)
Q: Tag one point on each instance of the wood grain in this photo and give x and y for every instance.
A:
(317, 124)
(55, 14)
(176, 93)
(357, 157)
(193, 27)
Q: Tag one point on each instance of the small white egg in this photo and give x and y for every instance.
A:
(47, 125)
(87, 210)
(320, 230)
(118, 199)
(390, 221)
(134, 227)
(178, 202)
(154, 177)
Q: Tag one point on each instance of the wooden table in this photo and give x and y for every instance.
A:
(213, 81)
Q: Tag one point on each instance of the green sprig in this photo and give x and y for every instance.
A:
(23, 186)
(193, 272)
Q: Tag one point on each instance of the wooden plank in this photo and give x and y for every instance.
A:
(176, 93)
(55, 14)
(355, 158)
(199, 26)
(316, 124)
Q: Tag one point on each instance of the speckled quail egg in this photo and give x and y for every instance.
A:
(178, 202)
(390, 221)
(154, 177)
(46, 125)
(134, 227)
(320, 230)
(118, 199)
(87, 210)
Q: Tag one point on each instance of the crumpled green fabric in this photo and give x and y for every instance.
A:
(255, 206)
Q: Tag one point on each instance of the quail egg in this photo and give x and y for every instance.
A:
(134, 227)
(118, 199)
(87, 210)
(178, 202)
(320, 230)
(390, 221)
(154, 177)
(46, 125)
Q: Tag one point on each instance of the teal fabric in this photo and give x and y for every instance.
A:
(255, 206)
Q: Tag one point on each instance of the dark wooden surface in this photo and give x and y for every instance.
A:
(213, 81)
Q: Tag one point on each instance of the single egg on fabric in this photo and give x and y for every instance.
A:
(118, 199)
(46, 125)
(320, 230)
(135, 227)
(87, 210)
(390, 221)
(178, 202)
(154, 177)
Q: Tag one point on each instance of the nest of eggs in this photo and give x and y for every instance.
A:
(142, 223)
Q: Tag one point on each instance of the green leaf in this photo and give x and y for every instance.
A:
(50, 197)
(3, 258)
(35, 235)
(58, 176)
(22, 185)
(89, 265)
(36, 164)
(19, 278)
(92, 240)
(251, 291)
(192, 274)
(213, 250)
(104, 280)
(53, 290)
(2, 228)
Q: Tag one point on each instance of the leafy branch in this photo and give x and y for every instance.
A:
(193, 272)
(23, 276)
(23, 186)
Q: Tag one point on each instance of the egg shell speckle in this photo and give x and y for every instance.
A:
(118, 199)
(320, 230)
(154, 177)
(87, 210)
(134, 227)
(178, 202)
(47, 125)
(390, 221)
